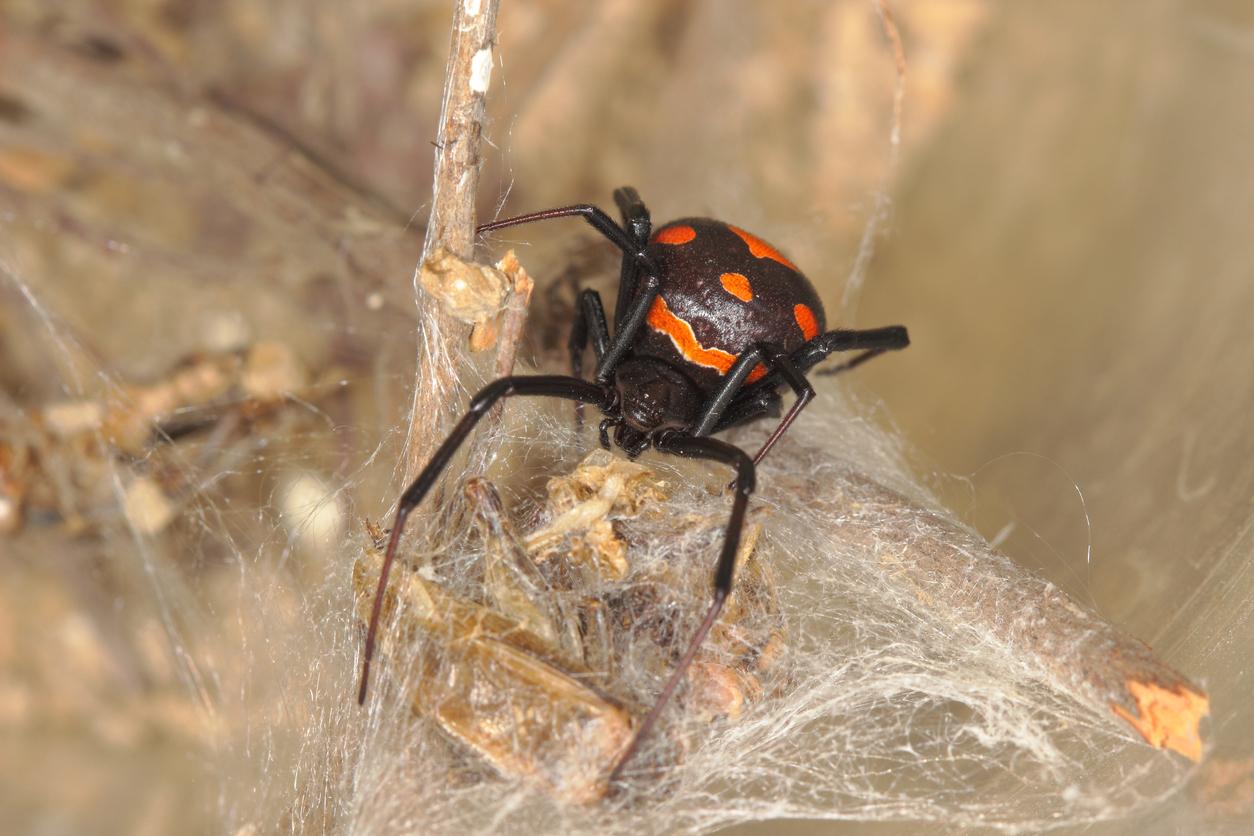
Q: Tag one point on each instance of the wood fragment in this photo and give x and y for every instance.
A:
(1166, 717)
(515, 316)
(61, 459)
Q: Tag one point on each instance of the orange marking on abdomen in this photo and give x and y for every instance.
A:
(759, 371)
(661, 319)
(761, 249)
(737, 285)
(806, 321)
(674, 235)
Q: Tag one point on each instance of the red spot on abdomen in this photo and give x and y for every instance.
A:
(805, 321)
(674, 235)
(760, 249)
(737, 285)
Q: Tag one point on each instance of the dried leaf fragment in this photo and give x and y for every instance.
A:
(471, 293)
(585, 503)
(61, 458)
(519, 664)
(502, 691)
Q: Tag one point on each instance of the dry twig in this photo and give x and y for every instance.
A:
(954, 573)
(451, 226)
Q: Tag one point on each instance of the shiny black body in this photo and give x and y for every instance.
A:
(710, 323)
(693, 292)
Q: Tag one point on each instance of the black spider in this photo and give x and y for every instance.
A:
(710, 322)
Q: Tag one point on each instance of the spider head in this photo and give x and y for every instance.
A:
(655, 396)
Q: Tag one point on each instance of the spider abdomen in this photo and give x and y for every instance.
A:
(723, 290)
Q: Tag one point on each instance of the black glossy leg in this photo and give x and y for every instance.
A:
(589, 322)
(778, 364)
(599, 221)
(637, 223)
(720, 451)
(543, 385)
(631, 321)
(758, 398)
(797, 381)
(629, 317)
(635, 214)
(874, 341)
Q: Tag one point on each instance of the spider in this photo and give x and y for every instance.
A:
(710, 322)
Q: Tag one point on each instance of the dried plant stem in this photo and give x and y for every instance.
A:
(955, 574)
(452, 222)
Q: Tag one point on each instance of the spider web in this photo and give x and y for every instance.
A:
(891, 711)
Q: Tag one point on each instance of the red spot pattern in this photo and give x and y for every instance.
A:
(675, 235)
(805, 321)
(737, 285)
(761, 249)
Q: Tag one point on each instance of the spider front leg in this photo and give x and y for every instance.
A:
(681, 444)
(543, 385)
(595, 217)
(783, 364)
(638, 225)
(631, 321)
(627, 317)
(589, 321)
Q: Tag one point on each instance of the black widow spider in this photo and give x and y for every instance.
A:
(710, 322)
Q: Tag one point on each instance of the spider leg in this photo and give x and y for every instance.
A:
(589, 314)
(795, 379)
(679, 444)
(776, 359)
(589, 322)
(760, 397)
(872, 341)
(543, 385)
(732, 386)
(638, 224)
(636, 218)
(599, 221)
(631, 320)
(627, 317)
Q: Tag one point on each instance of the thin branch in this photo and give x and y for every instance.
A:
(451, 226)
(958, 576)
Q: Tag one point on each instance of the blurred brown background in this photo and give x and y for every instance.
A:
(1067, 239)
